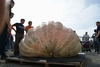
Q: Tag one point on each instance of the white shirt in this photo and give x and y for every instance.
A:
(85, 38)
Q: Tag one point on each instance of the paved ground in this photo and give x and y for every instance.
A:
(92, 60)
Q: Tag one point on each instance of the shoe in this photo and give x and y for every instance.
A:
(3, 57)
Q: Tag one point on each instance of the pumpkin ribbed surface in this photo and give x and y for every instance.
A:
(50, 40)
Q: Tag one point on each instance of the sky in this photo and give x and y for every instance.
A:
(79, 15)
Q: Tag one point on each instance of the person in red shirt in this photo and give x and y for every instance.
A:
(29, 26)
(10, 42)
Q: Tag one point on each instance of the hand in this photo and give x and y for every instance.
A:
(96, 36)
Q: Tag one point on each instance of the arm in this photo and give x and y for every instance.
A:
(26, 28)
(13, 27)
(82, 37)
(88, 37)
(2, 12)
(7, 19)
(98, 34)
(93, 35)
(32, 27)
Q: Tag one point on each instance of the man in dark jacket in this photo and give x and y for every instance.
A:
(98, 34)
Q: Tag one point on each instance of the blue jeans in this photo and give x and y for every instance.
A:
(10, 43)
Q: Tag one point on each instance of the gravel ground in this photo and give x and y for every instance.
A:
(92, 60)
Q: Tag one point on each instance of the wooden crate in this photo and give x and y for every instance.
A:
(76, 61)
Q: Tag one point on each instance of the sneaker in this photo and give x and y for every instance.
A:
(3, 57)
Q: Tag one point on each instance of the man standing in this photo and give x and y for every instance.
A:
(85, 37)
(98, 34)
(96, 46)
(85, 42)
(19, 35)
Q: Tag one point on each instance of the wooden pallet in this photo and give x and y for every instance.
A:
(76, 61)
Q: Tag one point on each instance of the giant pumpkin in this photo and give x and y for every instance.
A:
(50, 40)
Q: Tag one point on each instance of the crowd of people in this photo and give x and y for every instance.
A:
(88, 44)
(19, 33)
(6, 37)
